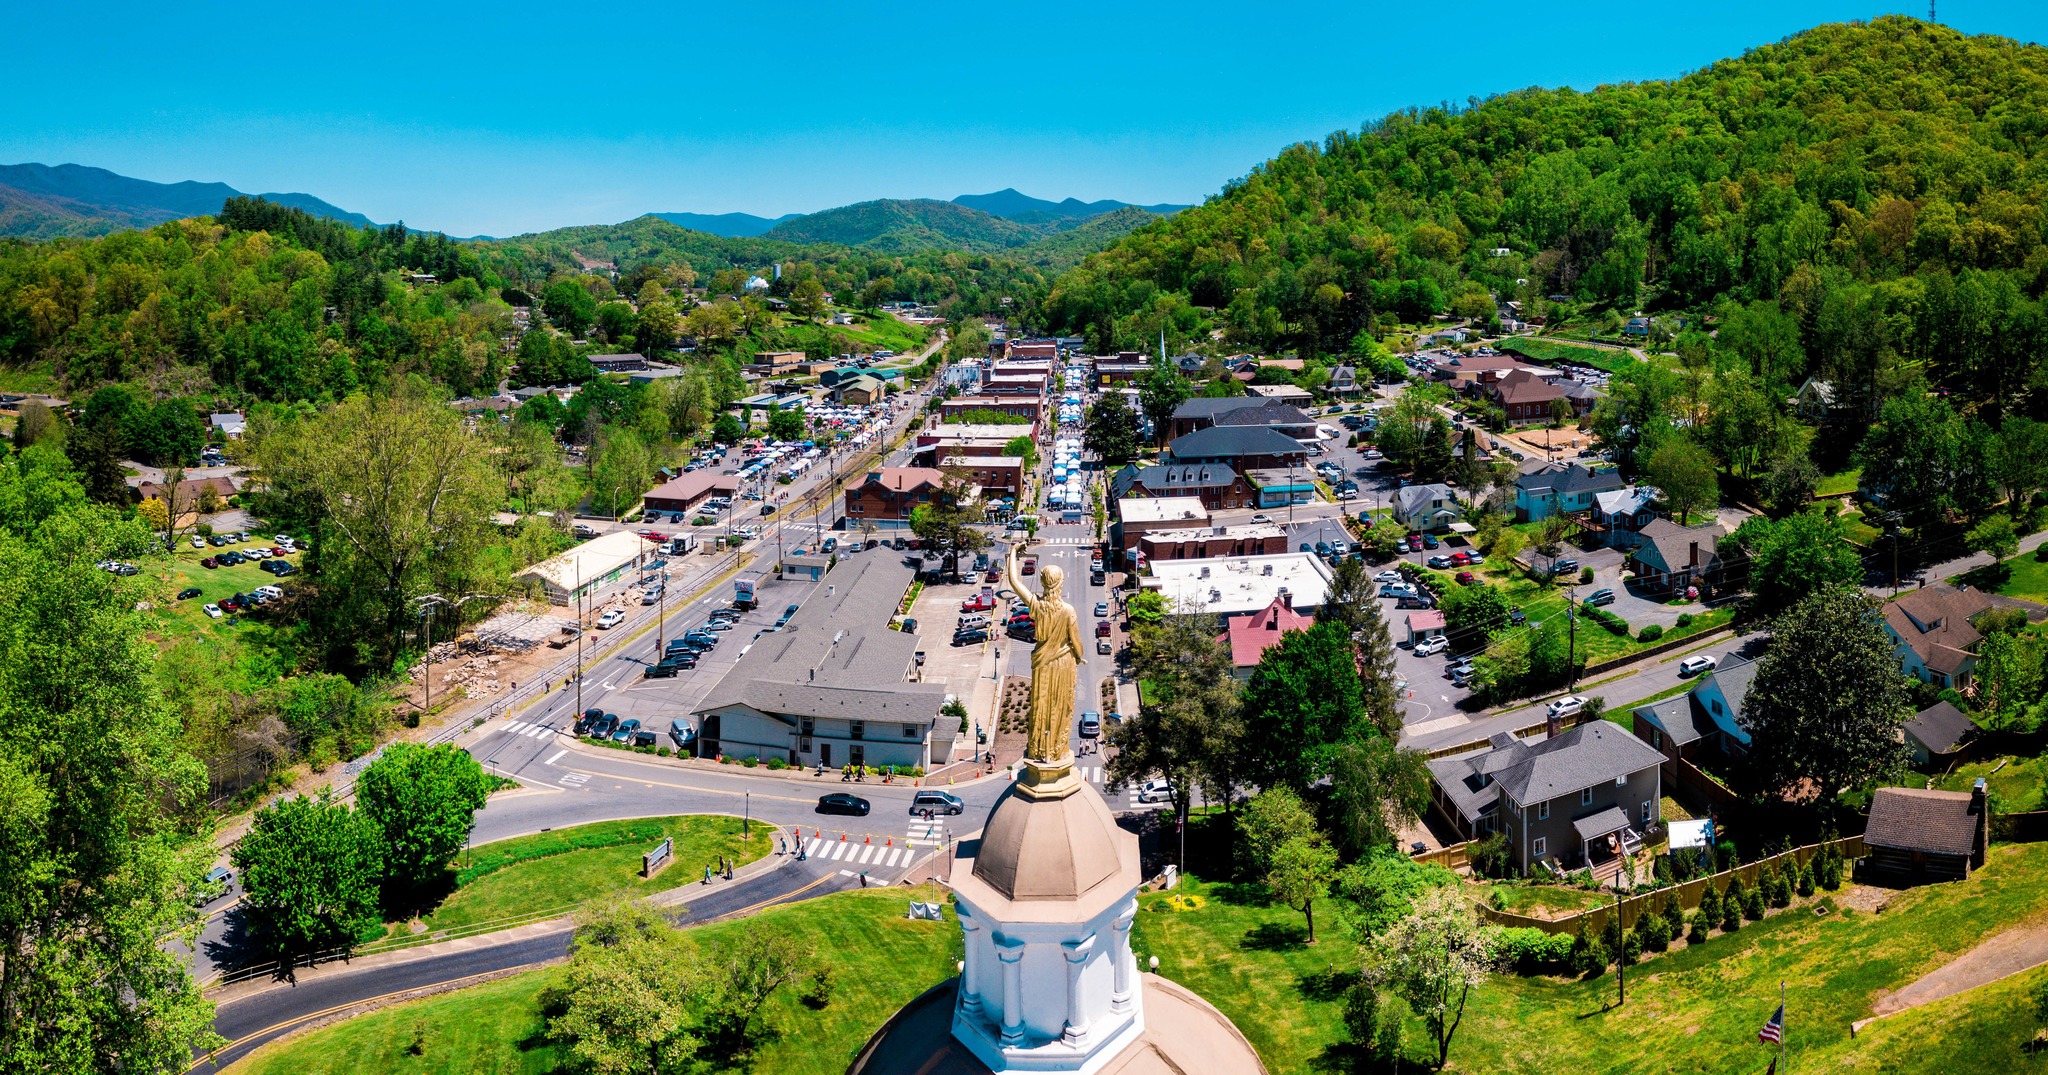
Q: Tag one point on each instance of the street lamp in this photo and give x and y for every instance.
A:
(427, 603)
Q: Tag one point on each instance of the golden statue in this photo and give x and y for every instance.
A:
(1055, 657)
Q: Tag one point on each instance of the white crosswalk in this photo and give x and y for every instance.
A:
(928, 833)
(520, 727)
(859, 852)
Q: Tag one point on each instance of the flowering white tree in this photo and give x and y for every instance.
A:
(1434, 958)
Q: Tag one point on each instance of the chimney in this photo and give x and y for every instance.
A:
(1553, 724)
(1286, 601)
(1979, 809)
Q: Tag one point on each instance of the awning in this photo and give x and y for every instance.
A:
(1607, 821)
(1463, 528)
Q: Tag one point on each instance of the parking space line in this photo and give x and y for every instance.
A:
(556, 756)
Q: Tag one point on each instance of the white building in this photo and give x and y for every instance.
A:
(590, 568)
(1233, 584)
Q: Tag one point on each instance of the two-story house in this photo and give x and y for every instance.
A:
(1524, 397)
(1561, 488)
(1217, 485)
(1578, 798)
(1428, 508)
(1243, 447)
(1250, 634)
(1931, 631)
(1707, 718)
(888, 495)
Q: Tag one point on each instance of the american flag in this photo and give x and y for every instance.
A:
(1774, 1029)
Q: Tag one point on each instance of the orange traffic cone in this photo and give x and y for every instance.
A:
(842, 837)
(868, 840)
(889, 842)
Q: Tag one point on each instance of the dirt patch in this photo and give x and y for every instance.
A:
(2007, 953)
(1866, 898)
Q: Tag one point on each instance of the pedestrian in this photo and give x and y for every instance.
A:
(707, 875)
(782, 845)
(863, 879)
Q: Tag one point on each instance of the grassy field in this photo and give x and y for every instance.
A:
(1841, 483)
(1542, 350)
(565, 876)
(1597, 643)
(178, 620)
(1538, 901)
(2021, 785)
(2025, 576)
(1695, 1010)
(879, 958)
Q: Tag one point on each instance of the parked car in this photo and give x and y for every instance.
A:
(1430, 647)
(198, 542)
(1155, 791)
(601, 728)
(1697, 664)
(1564, 566)
(681, 732)
(938, 802)
(611, 618)
(213, 611)
(1429, 541)
(588, 718)
(642, 737)
(1440, 562)
(1565, 706)
(1600, 597)
(624, 732)
(840, 802)
(1387, 576)
(188, 593)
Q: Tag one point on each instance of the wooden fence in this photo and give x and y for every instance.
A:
(1695, 780)
(2022, 828)
(1454, 857)
(1634, 907)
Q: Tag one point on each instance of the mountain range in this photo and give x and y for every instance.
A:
(38, 201)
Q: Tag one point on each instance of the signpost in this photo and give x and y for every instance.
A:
(663, 853)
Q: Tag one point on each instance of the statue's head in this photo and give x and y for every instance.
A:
(1049, 579)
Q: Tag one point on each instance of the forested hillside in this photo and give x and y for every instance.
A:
(41, 202)
(1870, 193)
(900, 226)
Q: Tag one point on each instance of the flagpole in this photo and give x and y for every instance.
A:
(1784, 1061)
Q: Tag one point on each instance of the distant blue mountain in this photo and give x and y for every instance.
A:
(1010, 204)
(730, 225)
(39, 201)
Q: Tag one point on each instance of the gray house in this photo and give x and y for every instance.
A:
(1576, 799)
(835, 685)
(1426, 507)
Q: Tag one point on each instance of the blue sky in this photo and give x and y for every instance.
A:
(508, 117)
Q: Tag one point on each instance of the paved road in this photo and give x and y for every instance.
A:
(249, 1017)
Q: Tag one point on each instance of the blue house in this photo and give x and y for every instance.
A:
(1561, 488)
(1709, 716)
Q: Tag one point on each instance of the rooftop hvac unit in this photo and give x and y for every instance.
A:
(1215, 596)
(1268, 571)
(1205, 571)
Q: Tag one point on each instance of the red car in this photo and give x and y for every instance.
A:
(1102, 628)
(1467, 578)
(1461, 558)
(981, 602)
(209, 563)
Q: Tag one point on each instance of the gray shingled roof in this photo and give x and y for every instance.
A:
(1231, 442)
(1173, 477)
(1919, 819)
(1679, 719)
(1668, 546)
(1942, 727)
(1272, 413)
(1564, 479)
(1593, 826)
(1204, 407)
(1410, 499)
(1582, 757)
(1733, 676)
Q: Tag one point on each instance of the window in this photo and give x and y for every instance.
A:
(1649, 809)
(910, 731)
(1621, 781)
(1543, 811)
(1717, 707)
(1657, 739)
(803, 745)
(1539, 848)
(810, 727)
(856, 729)
(1585, 796)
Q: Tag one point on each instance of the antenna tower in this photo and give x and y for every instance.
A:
(1930, 12)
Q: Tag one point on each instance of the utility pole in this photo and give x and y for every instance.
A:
(1571, 620)
(581, 611)
(1620, 963)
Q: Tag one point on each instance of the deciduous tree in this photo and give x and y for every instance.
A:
(423, 801)
(310, 871)
(1434, 958)
(1306, 700)
(1825, 709)
(1684, 472)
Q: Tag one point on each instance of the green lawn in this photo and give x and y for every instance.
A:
(1537, 901)
(1859, 531)
(1840, 483)
(566, 875)
(1695, 1010)
(1542, 350)
(2021, 785)
(880, 961)
(1542, 602)
(2025, 576)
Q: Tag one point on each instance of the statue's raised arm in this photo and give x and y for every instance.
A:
(1016, 581)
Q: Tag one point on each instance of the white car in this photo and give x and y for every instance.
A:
(213, 612)
(610, 619)
(1261, 517)
(1566, 706)
(1387, 576)
(1693, 666)
(1155, 791)
(198, 542)
(1430, 647)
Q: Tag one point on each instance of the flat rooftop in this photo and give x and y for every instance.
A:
(1161, 509)
(1231, 584)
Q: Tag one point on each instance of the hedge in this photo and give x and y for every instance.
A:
(1651, 633)
(1614, 624)
(1533, 951)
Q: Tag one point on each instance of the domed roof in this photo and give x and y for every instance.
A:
(1050, 849)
